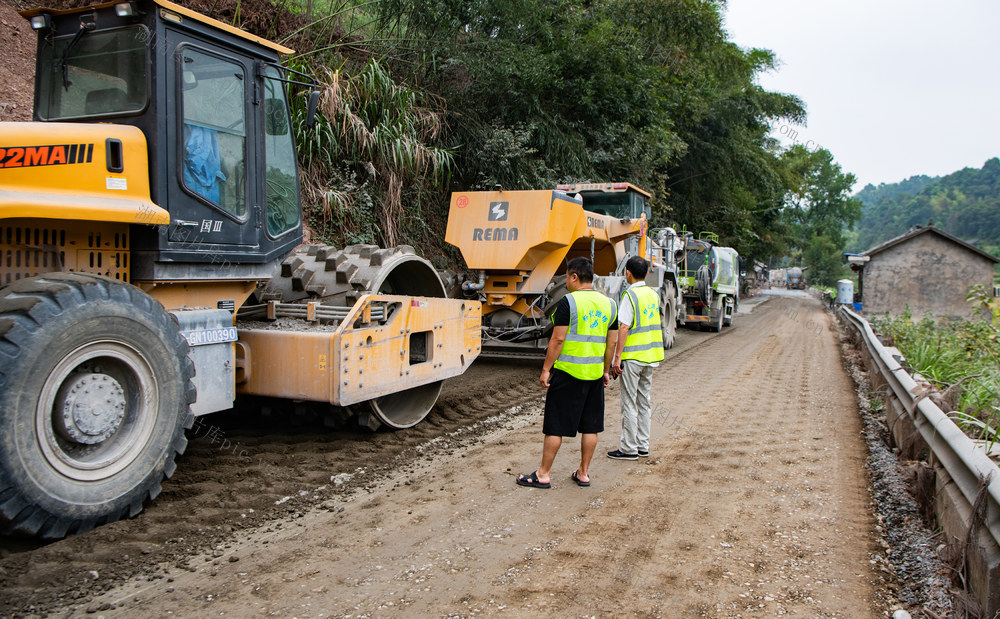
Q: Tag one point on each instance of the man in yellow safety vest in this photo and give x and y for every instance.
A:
(575, 372)
(639, 349)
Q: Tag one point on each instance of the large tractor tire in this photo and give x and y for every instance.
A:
(668, 315)
(341, 277)
(555, 291)
(95, 394)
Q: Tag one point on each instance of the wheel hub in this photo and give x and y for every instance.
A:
(89, 408)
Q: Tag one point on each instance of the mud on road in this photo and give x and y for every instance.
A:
(264, 463)
(754, 502)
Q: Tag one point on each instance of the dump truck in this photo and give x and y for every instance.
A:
(149, 220)
(516, 245)
(709, 282)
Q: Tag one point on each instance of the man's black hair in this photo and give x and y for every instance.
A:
(582, 268)
(638, 267)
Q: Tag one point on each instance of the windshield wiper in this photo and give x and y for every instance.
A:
(85, 27)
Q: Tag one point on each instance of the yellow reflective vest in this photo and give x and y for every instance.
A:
(590, 315)
(645, 339)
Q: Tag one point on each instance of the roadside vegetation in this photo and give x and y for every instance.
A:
(421, 98)
(960, 357)
(425, 97)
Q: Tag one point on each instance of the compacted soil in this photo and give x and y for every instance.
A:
(754, 502)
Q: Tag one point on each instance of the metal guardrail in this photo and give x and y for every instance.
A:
(966, 463)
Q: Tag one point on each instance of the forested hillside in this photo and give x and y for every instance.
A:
(871, 194)
(965, 204)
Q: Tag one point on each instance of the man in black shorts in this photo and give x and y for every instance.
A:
(575, 372)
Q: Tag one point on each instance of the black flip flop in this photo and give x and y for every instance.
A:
(531, 481)
(578, 481)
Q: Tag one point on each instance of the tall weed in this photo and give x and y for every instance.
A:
(962, 357)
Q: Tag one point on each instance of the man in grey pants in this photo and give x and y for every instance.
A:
(638, 351)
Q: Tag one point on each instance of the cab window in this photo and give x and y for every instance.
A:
(213, 113)
(622, 205)
(613, 204)
(281, 184)
(102, 74)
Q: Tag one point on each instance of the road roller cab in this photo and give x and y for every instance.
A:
(209, 102)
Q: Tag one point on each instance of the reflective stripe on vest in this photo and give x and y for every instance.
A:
(590, 315)
(645, 341)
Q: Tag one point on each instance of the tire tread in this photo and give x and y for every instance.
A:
(24, 307)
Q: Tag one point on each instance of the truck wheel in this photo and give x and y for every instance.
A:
(95, 387)
(717, 327)
(727, 321)
(668, 315)
(703, 285)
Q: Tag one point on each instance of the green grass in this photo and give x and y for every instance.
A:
(962, 358)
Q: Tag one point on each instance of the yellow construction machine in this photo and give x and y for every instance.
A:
(517, 244)
(148, 270)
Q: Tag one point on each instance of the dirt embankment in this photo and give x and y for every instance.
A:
(754, 502)
(17, 70)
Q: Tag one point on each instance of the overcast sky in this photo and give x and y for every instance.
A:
(892, 88)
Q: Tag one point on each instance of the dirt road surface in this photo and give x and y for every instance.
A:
(753, 502)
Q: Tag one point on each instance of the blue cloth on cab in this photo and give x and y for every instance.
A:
(202, 165)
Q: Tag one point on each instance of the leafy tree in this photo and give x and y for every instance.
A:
(821, 255)
(378, 130)
(820, 201)
(730, 177)
(647, 91)
(528, 93)
(818, 208)
(872, 195)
